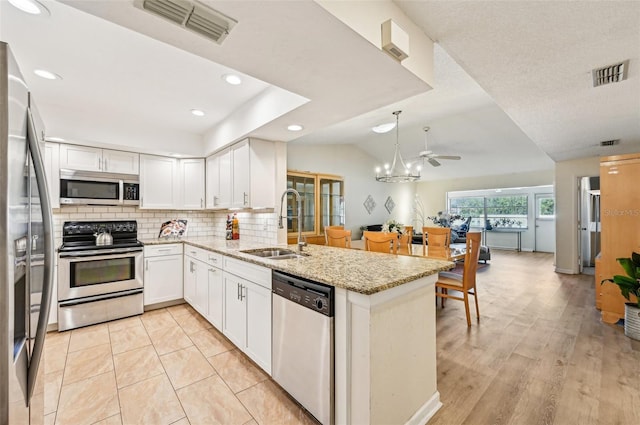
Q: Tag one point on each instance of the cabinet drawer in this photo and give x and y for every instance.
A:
(164, 249)
(252, 272)
(211, 258)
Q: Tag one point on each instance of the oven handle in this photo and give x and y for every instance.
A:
(100, 254)
(102, 297)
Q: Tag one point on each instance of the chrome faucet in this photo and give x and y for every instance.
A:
(299, 201)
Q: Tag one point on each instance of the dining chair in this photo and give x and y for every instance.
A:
(439, 240)
(326, 239)
(405, 241)
(381, 242)
(466, 282)
(338, 237)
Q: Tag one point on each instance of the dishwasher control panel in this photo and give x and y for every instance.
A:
(313, 295)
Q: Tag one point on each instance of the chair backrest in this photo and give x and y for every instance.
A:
(381, 242)
(405, 240)
(439, 239)
(471, 258)
(326, 239)
(338, 237)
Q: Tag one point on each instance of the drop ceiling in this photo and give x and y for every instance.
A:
(511, 92)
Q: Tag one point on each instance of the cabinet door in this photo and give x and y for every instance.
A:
(157, 177)
(215, 296)
(235, 315)
(52, 169)
(258, 301)
(192, 183)
(224, 176)
(190, 280)
(201, 299)
(120, 162)
(80, 158)
(163, 279)
(213, 181)
(241, 173)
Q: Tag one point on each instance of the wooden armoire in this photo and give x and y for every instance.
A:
(620, 219)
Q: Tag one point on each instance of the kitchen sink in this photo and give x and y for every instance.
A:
(275, 253)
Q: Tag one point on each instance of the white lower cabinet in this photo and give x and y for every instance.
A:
(247, 309)
(162, 273)
(203, 283)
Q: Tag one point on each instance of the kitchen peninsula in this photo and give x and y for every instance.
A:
(385, 352)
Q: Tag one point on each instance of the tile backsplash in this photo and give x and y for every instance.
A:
(260, 227)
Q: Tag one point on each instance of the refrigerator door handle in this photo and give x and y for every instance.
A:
(47, 226)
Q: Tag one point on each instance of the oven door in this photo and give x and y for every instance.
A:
(88, 273)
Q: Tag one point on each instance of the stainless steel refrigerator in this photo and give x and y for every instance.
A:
(26, 256)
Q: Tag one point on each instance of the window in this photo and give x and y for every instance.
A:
(498, 211)
(546, 207)
(322, 202)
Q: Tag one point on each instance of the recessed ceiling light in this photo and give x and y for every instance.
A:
(295, 127)
(197, 112)
(384, 128)
(43, 73)
(232, 79)
(32, 7)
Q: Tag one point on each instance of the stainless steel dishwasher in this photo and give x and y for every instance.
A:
(302, 350)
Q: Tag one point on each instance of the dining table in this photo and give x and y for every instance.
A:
(456, 253)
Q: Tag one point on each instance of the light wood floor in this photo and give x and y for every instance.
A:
(540, 354)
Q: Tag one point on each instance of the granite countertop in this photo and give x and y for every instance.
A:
(352, 269)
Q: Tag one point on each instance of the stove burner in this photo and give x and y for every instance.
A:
(80, 235)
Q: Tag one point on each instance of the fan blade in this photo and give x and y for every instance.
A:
(425, 154)
(446, 157)
(433, 162)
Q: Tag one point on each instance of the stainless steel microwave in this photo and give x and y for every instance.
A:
(94, 188)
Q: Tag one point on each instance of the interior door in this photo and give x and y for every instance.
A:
(545, 222)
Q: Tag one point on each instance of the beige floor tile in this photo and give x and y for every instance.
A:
(269, 404)
(88, 401)
(210, 402)
(184, 367)
(137, 365)
(152, 401)
(50, 419)
(88, 337)
(86, 363)
(180, 310)
(125, 323)
(183, 421)
(237, 371)
(56, 337)
(52, 384)
(111, 420)
(55, 357)
(157, 319)
(192, 323)
(252, 422)
(211, 342)
(129, 339)
(169, 339)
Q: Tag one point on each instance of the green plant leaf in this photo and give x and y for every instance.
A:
(628, 266)
(635, 257)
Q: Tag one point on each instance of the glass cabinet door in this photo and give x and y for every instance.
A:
(306, 186)
(331, 203)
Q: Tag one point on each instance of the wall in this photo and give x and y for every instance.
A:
(567, 199)
(357, 169)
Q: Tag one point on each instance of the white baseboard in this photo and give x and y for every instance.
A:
(565, 271)
(426, 411)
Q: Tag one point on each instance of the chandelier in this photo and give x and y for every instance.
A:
(398, 171)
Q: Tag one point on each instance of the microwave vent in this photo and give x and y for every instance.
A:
(191, 15)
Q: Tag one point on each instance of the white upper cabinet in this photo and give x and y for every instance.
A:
(219, 180)
(242, 176)
(192, 183)
(85, 158)
(158, 182)
(52, 170)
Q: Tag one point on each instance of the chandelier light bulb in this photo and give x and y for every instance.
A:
(386, 166)
(377, 170)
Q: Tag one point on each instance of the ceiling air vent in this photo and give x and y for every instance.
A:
(610, 74)
(191, 15)
(610, 142)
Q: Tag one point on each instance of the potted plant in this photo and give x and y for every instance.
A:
(630, 285)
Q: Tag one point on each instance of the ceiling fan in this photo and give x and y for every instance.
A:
(431, 157)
